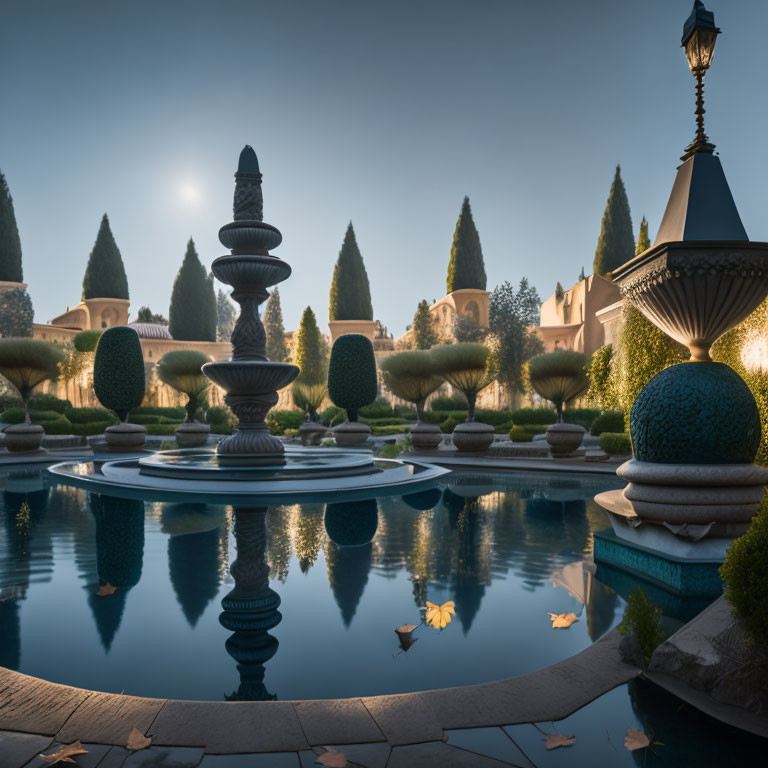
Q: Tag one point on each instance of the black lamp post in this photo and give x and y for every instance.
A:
(699, 38)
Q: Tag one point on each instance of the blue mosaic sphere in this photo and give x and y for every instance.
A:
(695, 413)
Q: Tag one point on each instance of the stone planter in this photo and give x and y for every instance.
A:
(564, 439)
(23, 438)
(351, 433)
(426, 437)
(473, 436)
(192, 434)
(125, 436)
(311, 433)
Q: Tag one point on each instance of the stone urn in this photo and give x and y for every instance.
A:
(125, 436)
(564, 439)
(472, 436)
(311, 432)
(192, 434)
(426, 437)
(23, 438)
(351, 433)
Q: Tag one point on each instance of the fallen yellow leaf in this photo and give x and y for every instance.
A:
(636, 740)
(562, 620)
(555, 740)
(137, 740)
(439, 616)
(106, 589)
(63, 754)
(332, 759)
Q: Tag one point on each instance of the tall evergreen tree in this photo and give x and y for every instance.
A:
(226, 316)
(311, 351)
(425, 331)
(10, 244)
(466, 268)
(643, 240)
(616, 244)
(146, 315)
(105, 274)
(350, 291)
(273, 325)
(192, 315)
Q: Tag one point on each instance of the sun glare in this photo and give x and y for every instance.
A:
(189, 193)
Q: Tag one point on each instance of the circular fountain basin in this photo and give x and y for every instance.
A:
(307, 474)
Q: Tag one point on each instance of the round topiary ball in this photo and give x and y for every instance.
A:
(352, 381)
(695, 413)
(352, 523)
(118, 370)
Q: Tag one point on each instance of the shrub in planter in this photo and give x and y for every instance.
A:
(616, 443)
(352, 379)
(43, 402)
(182, 370)
(610, 421)
(559, 376)
(468, 368)
(118, 371)
(745, 573)
(308, 396)
(534, 416)
(411, 376)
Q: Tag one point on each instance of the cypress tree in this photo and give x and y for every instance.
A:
(350, 291)
(643, 240)
(273, 325)
(10, 244)
(226, 317)
(466, 268)
(311, 353)
(425, 332)
(192, 315)
(105, 274)
(616, 244)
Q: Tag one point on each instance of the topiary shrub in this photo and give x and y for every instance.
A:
(352, 381)
(308, 396)
(610, 421)
(520, 435)
(118, 371)
(448, 425)
(44, 402)
(455, 402)
(616, 443)
(559, 376)
(86, 341)
(745, 573)
(468, 368)
(182, 370)
(643, 618)
(27, 363)
(280, 421)
(411, 376)
(534, 416)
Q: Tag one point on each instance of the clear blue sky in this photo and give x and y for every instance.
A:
(385, 113)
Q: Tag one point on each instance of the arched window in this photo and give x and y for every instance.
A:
(472, 310)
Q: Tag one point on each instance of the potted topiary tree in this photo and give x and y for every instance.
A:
(560, 376)
(310, 387)
(180, 369)
(118, 381)
(411, 376)
(309, 396)
(27, 363)
(352, 384)
(468, 368)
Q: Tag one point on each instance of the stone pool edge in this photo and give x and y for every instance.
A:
(36, 706)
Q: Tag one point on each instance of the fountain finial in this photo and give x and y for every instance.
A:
(248, 203)
(248, 162)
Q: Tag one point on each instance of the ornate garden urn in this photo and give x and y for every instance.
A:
(695, 427)
(250, 380)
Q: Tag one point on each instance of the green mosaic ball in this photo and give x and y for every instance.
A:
(695, 413)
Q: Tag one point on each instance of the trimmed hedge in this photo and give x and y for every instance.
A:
(16, 416)
(378, 409)
(89, 415)
(221, 420)
(455, 402)
(177, 413)
(581, 416)
(91, 427)
(280, 421)
(616, 443)
(519, 435)
(163, 429)
(448, 425)
(610, 421)
(118, 370)
(391, 430)
(534, 416)
(387, 421)
(352, 380)
(43, 402)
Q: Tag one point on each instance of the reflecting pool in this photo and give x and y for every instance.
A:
(206, 601)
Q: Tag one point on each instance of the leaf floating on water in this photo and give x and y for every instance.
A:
(636, 740)
(562, 620)
(555, 740)
(63, 754)
(106, 589)
(137, 740)
(332, 759)
(439, 616)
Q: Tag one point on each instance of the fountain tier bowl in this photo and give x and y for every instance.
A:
(246, 273)
(250, 377)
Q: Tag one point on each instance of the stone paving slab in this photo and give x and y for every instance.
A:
(108, 719)
(165, 757)
(337, 721)
(227, 728)
(265, 760)
(453, 460)
(490, 742)
(17, 749)
(437, 754)
(404, 718)
(115, 758)
(359, 755)
(36, 706)
(91, 759)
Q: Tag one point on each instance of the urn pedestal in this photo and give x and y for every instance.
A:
(564, 439)
(426, 437)
(351, 433)
(125, 436)
(24, 438)
(192, 434)
(472, 436)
